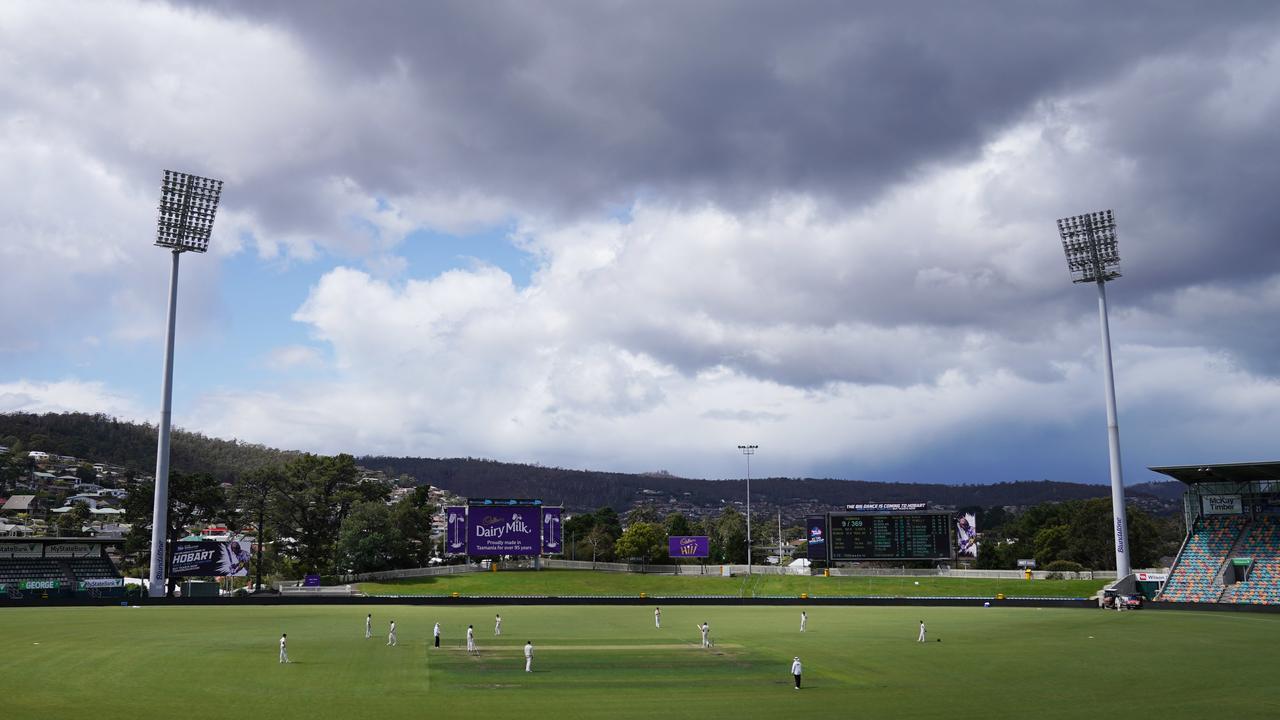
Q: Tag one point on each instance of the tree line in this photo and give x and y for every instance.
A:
(310, 514)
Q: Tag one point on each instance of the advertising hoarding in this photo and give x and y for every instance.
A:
(20, 550)
(816, 534)
(688, 546)
(207, 558)
(496, 530)
(552, 535)
(73, 550)
(886, 507)
(455, 530)
(101, 583)
(1221, 504)
(966, 535)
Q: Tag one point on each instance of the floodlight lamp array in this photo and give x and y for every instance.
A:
(1091, 245)
(187, 207)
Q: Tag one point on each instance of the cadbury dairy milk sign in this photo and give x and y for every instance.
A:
(688, 546)
(503, 531)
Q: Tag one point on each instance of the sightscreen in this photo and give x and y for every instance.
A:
(903, 536)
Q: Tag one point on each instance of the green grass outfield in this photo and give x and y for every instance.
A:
(610, 662)
(566, 583)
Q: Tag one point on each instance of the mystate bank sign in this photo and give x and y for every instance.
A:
(503, 531)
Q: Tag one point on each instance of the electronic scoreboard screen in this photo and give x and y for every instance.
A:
(906, 536)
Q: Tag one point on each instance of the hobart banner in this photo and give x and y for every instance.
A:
(209, 559)
(552, 537)
(503, 531)
(455, 530)
(688, 546)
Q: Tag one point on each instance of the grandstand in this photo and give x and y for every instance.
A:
(1232, 550)
(56, 567)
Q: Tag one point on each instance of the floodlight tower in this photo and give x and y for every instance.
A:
(187, 207)
(1093, 255)
(748, 450)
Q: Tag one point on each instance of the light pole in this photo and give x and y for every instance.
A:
(1093, 255)
(187, 206)
(748, 450)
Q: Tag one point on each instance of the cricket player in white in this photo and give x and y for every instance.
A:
(795, 671)
(497, 624)
(391, 636)
(368, 626)
(284, 652)
(804, 620)
(705, 630)
(657, 617)
(921, 638)
(528, 656)
(471, 639)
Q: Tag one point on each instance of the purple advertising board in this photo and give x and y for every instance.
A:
(688, 546)
(552, 537)
(503, 531)
(816, 534)
(455, 530)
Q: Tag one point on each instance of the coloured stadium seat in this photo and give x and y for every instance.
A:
(1197, 573)
(1261, 543)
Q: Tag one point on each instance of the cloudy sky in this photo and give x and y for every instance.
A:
(632, 235)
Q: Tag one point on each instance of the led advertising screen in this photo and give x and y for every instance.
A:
(504, 530)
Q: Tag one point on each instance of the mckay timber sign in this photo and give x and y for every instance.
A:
(1222, 504)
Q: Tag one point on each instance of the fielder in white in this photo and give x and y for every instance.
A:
(284, 652)
(497, 624)
(705, 629)
(368, 626)
(804, 620)
(391, 635)
(921, 638)
(657, 617)
(528, 656)
(471, 639)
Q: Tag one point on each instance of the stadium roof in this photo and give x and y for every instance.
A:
(1227, 472)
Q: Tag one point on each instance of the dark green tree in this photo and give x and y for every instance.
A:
(254, 496)
(643, 541)
(729, 537)
(607, 518)
(642, 513)
(367, 539)
(677, 524)
(411, 523)
(317, 493)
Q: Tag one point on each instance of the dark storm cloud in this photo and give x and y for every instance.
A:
(571, 106)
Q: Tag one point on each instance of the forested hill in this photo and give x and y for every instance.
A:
(99, 438)
(583, 489)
